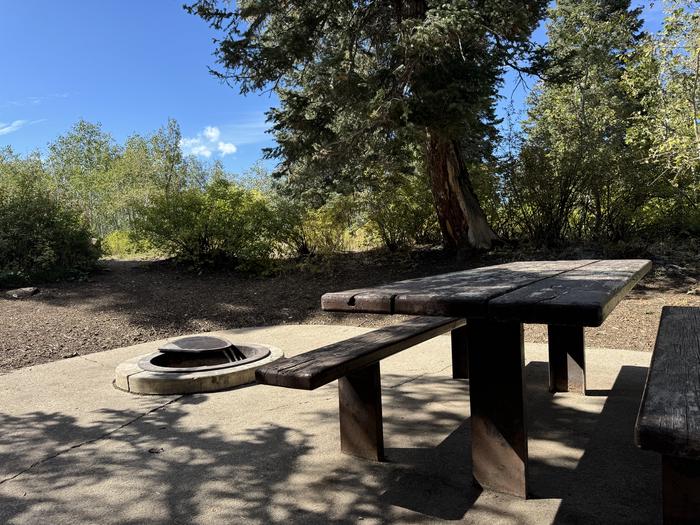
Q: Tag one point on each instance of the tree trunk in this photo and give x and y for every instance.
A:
(461, 218)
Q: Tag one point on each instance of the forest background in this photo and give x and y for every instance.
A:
(607, 153)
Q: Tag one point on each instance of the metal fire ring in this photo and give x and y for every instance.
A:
(234, 356)
(196, 344)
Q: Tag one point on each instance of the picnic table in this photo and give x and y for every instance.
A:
(496, 301)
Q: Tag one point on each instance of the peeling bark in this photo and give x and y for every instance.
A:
(462, 221)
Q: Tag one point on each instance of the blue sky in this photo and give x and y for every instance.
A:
(127, 64)
(131, 65)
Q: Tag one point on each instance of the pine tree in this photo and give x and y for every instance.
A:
(376, 87)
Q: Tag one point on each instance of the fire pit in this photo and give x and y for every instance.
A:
(201, 363)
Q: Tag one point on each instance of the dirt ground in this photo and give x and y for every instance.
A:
(129, 302)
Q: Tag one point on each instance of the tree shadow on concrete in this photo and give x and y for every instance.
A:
(593, 466)
(151, 471)
(582, 456)
(614, 481)
(163, 468)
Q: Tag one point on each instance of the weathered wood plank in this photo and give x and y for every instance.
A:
(468, 294)
(567, 359)
(681, 490)
(582, 297)
(318, 367)
(461, 294)
(360, 401)
(669, 415)
(497, 396)
(460, 353)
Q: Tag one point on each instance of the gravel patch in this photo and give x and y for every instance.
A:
(130, 302)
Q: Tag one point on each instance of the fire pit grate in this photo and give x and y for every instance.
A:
(200, 353)
(195, 344)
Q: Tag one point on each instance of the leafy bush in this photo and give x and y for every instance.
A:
(41, 238)
(122, 243)
(331, 227)
(300, 229)
(222, 223)
(290, 227)
(402, 213)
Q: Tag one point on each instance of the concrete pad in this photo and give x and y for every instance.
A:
(75, 450)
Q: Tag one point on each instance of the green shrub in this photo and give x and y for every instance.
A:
(122, 243)
(41, 238)
(222, 223)
(331, 227)
(401, 214)
(290, 227)
(300, 229)
(664, 217)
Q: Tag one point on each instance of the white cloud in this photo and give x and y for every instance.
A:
(14, 126)
(188, 143)
(212, 133)
(202, 150)
(194, 146)
(33, 101)
(226, 148)
(206, 143)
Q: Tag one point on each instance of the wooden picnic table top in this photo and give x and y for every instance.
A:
(579, 292)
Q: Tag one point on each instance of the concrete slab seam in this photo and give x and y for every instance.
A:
(89, 441)
(413, 378)
(93, 361)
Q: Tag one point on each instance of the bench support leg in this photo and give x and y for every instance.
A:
(361, 431)
(681, 490)
(497, 393)
(567, 363)
(460, 353)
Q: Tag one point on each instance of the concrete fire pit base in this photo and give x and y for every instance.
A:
(131, 377)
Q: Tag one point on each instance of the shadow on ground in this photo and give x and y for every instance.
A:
(175, 466)
(160, 296)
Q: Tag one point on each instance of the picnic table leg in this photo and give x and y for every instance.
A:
(681, 490)
(497, 393)
(567, 363)
(361, 432)
(460, 353)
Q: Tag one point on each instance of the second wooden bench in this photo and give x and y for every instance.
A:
(669, 415)
(355, 364)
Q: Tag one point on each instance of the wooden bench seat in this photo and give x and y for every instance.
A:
(354, 363)
(669, 415)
